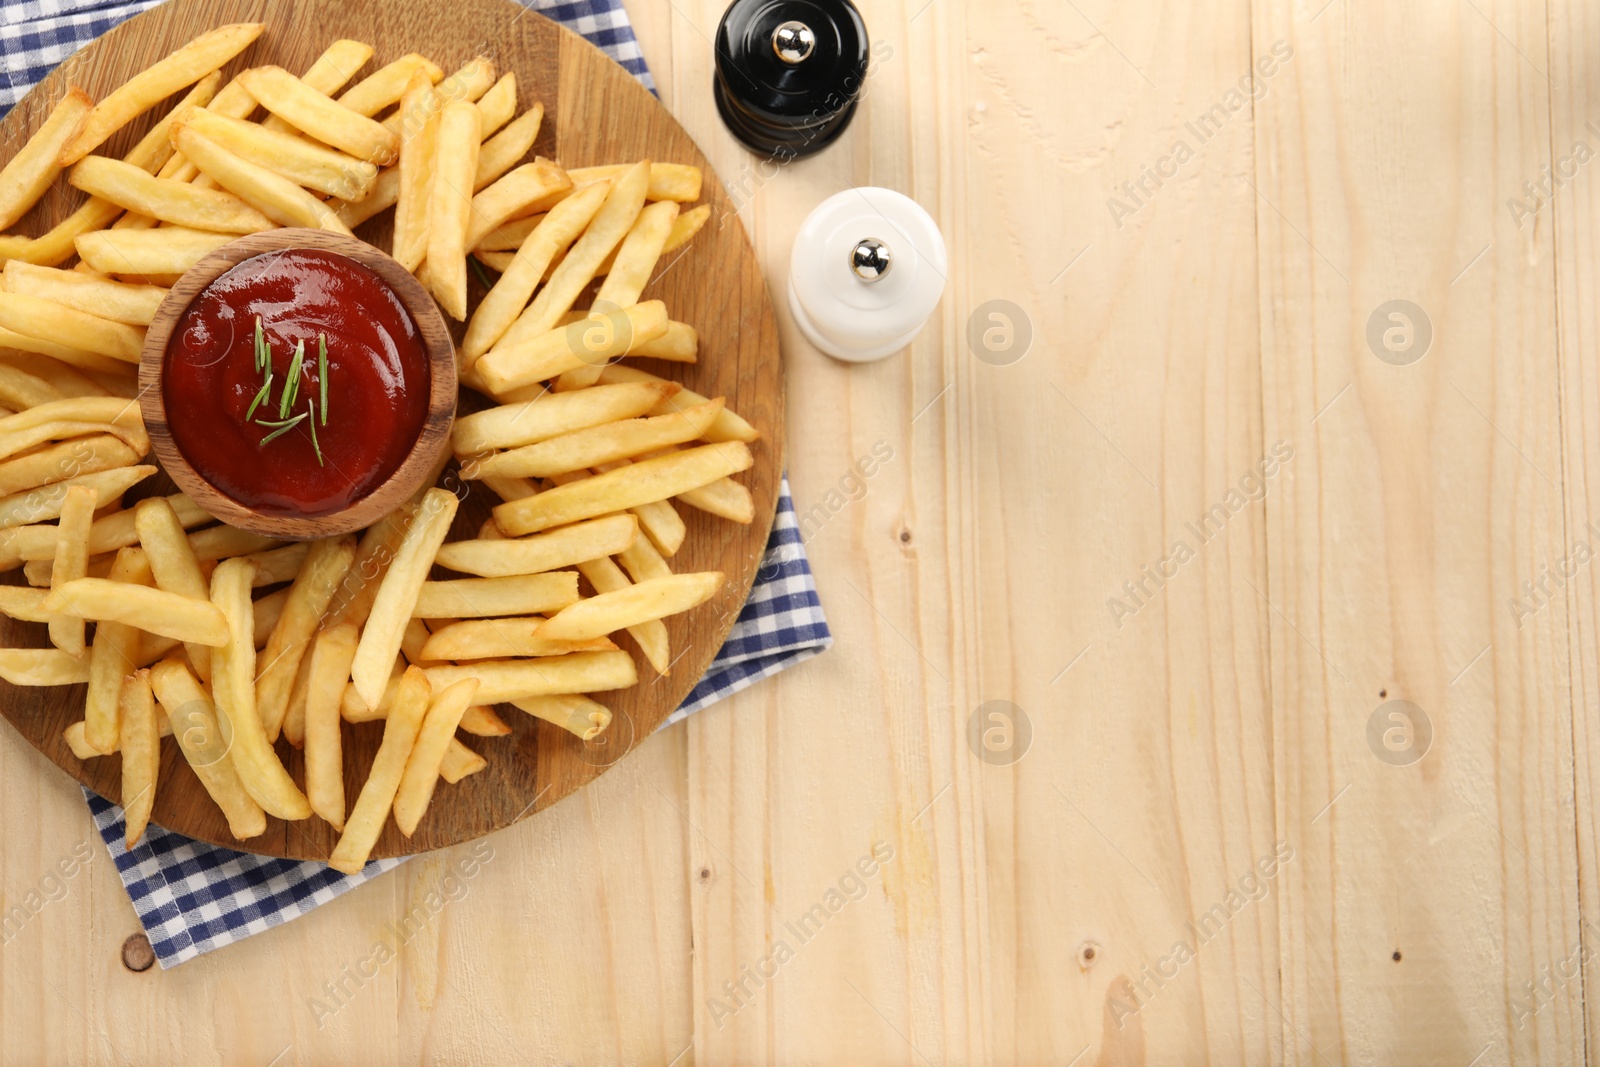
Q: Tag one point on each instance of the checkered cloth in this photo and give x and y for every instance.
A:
(193, 897)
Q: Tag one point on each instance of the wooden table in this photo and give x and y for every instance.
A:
(1231, 505)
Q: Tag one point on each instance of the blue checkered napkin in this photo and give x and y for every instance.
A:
(193, 897)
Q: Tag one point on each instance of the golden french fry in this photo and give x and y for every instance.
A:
(74, 737)
(668, 181)
(421, 773)
(317, 115)
(70, 416)
(45, 502)
(527, 556)
(353, 709)
(654, 598)
(642, 561)
(509, 235)
(20, 389)
(510, 196)
(71, 562)
(330, 669)
(168, 250)
(320, 577)
(680, 344)
(589, 342)
(481, 721)
(111, 657)
(601, 444)
(233, 686)
(268, 610)
(34, 167)
(328, 74)
(419, 109)
(651, 634)
(173, 564)
(385, 86)
(290, 157)
(155, 83)
(634, 261)
(179, 203)
(468, 84)
(450, 206)
(571, 711)
(685, 226)
(45, 666)
(222, 542)
(610, 224)
(510, 294)
(204, 742)
(107, 299)
(728, 427)
(460, 761)
(513, 425)
(502, 151)
(24, 604)
(626, 487)
(141, 753)
(385, 193)
(502, 681)
(49, 320)
(388, 767)
(154, 610)
(352, 601)
(724, 498)
(106, 535)
(397, 593)
(500, 638)
(492, 597)
(496, 106)
(270, 193)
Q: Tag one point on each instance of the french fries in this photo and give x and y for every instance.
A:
(146, 253)
(503, 681)
(529, 556)
(179, 203)
(270, 193)
(397, 594)
(306, 164)
(184, 67)
(637, 483)
(201, 737)
(140, 743)
(354, 631)
(318, 116)
(117, 301)
(421, 774)
(450, 206)
(377, 795)
(330, 666)
(71, 563)
(233, 686)
(34, 167)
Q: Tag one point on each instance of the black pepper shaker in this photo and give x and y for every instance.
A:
(789, 73)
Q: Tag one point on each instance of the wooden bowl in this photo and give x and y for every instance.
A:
(421, 465)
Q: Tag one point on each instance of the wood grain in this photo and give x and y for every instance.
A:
(595, 113)
(421, 465)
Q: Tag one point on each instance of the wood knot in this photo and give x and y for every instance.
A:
(137, 955)
(1088, 953)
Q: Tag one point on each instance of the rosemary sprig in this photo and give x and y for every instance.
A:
(263, 350)
(283, 427)
(311, 405)
(322, 376)
(261, 396)
(291, 387)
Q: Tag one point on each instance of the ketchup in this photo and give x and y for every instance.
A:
(377, 387)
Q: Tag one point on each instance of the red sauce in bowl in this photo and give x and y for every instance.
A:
(377, 387)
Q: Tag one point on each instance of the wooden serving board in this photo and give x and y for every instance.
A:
(595, 113)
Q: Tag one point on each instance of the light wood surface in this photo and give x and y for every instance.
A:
(1438, 911)
(595, 113)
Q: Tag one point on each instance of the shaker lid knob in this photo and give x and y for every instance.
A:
(863, 298)
(793, 41)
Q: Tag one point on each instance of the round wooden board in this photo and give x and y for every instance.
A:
(595, 113)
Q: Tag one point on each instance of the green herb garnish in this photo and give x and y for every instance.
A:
(263, 350)
(312, 406)
(322, 374)
(261, 396)
(283, 427)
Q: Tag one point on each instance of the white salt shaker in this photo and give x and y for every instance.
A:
(867, 269)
